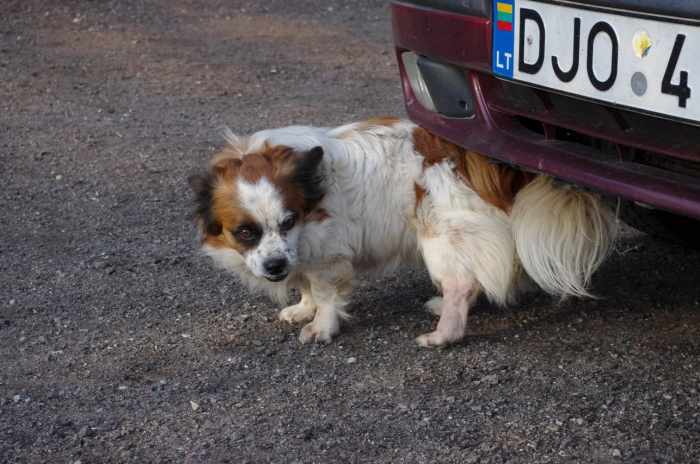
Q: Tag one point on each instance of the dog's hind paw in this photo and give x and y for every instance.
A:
(297, 313)
(313, 332)
(436, 339)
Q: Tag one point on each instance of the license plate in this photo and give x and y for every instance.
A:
(622, 58)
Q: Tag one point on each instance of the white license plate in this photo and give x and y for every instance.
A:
(618, 57)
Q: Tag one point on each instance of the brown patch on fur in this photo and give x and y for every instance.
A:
(275, 163)
(435, 149)
(218, 241)
(496, 184)
(225, 210)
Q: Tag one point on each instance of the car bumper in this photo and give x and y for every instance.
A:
(544, 132)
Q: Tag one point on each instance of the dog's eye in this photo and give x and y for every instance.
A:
(246, 234)
(288, 223)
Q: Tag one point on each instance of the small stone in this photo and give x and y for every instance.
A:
(351, 360)
(578, 421)
(12, 302)
(185, 335)
(59, 177)
(194, 405)
(86, 432)
(16, 398)
(616, 453)
(306, 434)
(122, 387)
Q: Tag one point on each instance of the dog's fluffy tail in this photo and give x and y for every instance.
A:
(562, 235)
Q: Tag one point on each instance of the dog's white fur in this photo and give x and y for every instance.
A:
(558, 235)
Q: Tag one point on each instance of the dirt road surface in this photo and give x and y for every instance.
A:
(120, 343)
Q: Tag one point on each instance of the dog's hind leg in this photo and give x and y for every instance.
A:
(303, 311)
(330, 289)
(459, 293)
(459, 285)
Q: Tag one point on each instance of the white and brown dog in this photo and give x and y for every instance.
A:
(306, 207)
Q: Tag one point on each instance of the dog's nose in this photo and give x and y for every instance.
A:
(275, 266)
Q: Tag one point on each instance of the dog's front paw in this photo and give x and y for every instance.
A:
(436, 339)
(297, 313)
(315, 332)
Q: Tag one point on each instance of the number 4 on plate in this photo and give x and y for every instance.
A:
(681, 90)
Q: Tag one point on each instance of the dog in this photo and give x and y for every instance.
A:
(306, 208)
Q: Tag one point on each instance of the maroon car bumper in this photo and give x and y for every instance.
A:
(638, 157)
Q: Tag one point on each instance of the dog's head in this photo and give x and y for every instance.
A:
(254, 204)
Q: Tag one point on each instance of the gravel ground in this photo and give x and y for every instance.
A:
(120, 343)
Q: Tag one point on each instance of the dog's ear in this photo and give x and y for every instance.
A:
(308, 175)
(202, 186)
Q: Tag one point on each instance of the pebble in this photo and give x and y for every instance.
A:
(351, 360)
(16, 398)
(194, 405)
(86, 432)
(616, 453)
(122, 387)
